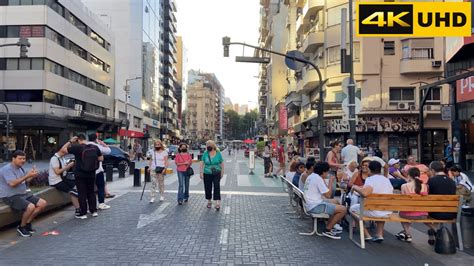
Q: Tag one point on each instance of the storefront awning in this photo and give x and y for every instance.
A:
(131, 133)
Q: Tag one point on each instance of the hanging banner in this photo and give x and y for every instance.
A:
(283, 117)
(465, 89)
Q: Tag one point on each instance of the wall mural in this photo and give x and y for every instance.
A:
(375, 124)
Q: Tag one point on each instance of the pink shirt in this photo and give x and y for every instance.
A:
(183, 158)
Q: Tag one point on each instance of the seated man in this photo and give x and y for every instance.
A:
(299, 171)
(314, 190)
(395, 175)
(464, 186)
(57, 177)
(14, 193)
(376, 183)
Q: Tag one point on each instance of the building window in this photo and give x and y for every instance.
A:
(389, 48)
(422, 48)
(434, 97)
(37, 64)
(13, 31)
(399, 94)
(334, 54)
(3, 64)
(137, 122)
(25, 64)
(78, 50)
(23, 95)
(12, 64)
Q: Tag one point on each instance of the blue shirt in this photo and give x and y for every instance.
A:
(8, 173)
(296, 178)
(448, 153)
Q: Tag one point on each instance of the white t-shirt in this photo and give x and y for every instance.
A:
(158, 159)
(350, 153)
(313, 190)
(463, 179)
(380, 185)
(289, 176)
(53, 178)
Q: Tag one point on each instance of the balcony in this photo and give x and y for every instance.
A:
(262, 100)
(421, 65)
(309, 81)
(312, 42)
(311, 8)
(300, 24)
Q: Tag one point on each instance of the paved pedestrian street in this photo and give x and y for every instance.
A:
(250, 228)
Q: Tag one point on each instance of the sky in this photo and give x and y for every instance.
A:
(203, 23)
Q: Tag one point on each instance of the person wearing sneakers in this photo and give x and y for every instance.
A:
(99, 173)
(57, 177)
(314, 190)
(14, 193)
(376, 183)
(158, 164)
(87, 162)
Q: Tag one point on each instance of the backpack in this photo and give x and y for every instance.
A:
(90, 159)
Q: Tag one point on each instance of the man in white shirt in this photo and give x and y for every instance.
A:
(99, 173)
(314, 190)
(376, 183)
(350, 152)
(57, 177)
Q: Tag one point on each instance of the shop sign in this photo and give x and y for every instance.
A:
(283, 117)
(465, 89)
(375, 124)
(446, 112)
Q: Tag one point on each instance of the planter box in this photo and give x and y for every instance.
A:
(55, 199)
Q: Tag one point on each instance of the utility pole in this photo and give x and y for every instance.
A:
(127, 95)
(7, 130)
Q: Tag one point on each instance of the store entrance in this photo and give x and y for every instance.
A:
(433, 145)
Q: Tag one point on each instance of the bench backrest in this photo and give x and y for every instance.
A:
(398, 202)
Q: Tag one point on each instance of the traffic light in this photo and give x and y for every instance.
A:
(226, 43)
(24, 44)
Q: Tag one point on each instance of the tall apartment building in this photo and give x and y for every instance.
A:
(386, 71)
(141, 52)
(205, 116)
(66, 85)
(181, 80)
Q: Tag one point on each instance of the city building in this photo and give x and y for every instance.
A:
(387, 72)
(181, 80)
(205, 110)
(228, 104)
(66, 84)
(144, 63)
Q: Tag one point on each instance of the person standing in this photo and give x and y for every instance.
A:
(87, 162)
(281, 159)
(138, 150)
(350, 152)
(267, 160)
(333, 158)
(57, 178)
(211, 171)
(158, 165)
(183, 161)
(99, 173)
(14, 193)
(448, 154)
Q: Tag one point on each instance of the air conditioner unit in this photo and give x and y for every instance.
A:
(78, 110)
(402, 106)
(299, 44)
(436, 63)
(412, 107)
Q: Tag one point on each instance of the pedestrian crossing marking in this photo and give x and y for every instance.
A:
(256, 181)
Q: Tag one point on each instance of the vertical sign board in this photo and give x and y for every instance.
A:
(283, 117)
(251, 159)
(465, 89)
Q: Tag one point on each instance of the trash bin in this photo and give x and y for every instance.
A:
(467, 228)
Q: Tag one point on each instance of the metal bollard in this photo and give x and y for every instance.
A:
(121, 169)
(109, 173)
(147, 174)
(137, 178)
(131, 167)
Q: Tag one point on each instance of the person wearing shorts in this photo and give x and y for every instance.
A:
(57, 177)
(13, 192)
(314, 190)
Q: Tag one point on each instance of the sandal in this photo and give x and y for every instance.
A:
(109, 196)
(209, 205)
(218, 207)
(431, 236)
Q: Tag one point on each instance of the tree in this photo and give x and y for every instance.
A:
(233, 122)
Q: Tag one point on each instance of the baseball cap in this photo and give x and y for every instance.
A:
(393, 161)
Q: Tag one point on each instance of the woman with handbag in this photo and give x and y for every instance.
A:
(212, 170)
(183, 162)
(158, 164)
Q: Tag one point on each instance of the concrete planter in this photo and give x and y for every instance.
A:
(54, 198)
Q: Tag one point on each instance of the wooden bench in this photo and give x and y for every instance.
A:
(396, 203)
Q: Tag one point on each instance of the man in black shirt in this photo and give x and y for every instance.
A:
(439, 184)
(85, 179)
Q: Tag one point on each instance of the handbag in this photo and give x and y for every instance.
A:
(213, 169)
(158, 169)
(69, 175)
(189, 171)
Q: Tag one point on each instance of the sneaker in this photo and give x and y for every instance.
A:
(162, 198)
(22, 231)
(186, 200)
(95, 214)
(401, 235)
(465, 205)
(377, 239)
(109, 196)
(77, 212)
(152, 200)
(408, 238)
(103, 206)
(337, 227)
(30, 229)
(180, 203)
(82, 217)
(330, 234)
(336, 231)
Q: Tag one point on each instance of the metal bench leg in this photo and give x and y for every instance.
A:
(459, 233)
(361, 231)
(351, 229)
(315, 228)
(361, 228)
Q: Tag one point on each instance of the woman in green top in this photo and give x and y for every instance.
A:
(212, 170)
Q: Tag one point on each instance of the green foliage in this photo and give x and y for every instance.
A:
(260, 146)
(238, 126)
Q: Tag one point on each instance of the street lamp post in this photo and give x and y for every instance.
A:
(7, 130)
(226, 43)
(127, 95)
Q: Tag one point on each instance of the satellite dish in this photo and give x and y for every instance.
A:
(293, 64)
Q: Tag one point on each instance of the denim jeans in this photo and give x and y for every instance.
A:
(100, 183)
(183, 186)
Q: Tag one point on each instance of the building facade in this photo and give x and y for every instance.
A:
(386, 71)
(66, 84)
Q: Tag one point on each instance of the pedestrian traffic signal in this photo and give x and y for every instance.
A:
(24, 44)
(226, 43)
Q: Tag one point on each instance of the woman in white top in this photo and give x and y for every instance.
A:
(158, 164)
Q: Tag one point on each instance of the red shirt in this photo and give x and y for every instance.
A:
(183, 158)
(281, 154)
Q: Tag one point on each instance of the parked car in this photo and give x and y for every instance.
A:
(116, 157)
(172, 151)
